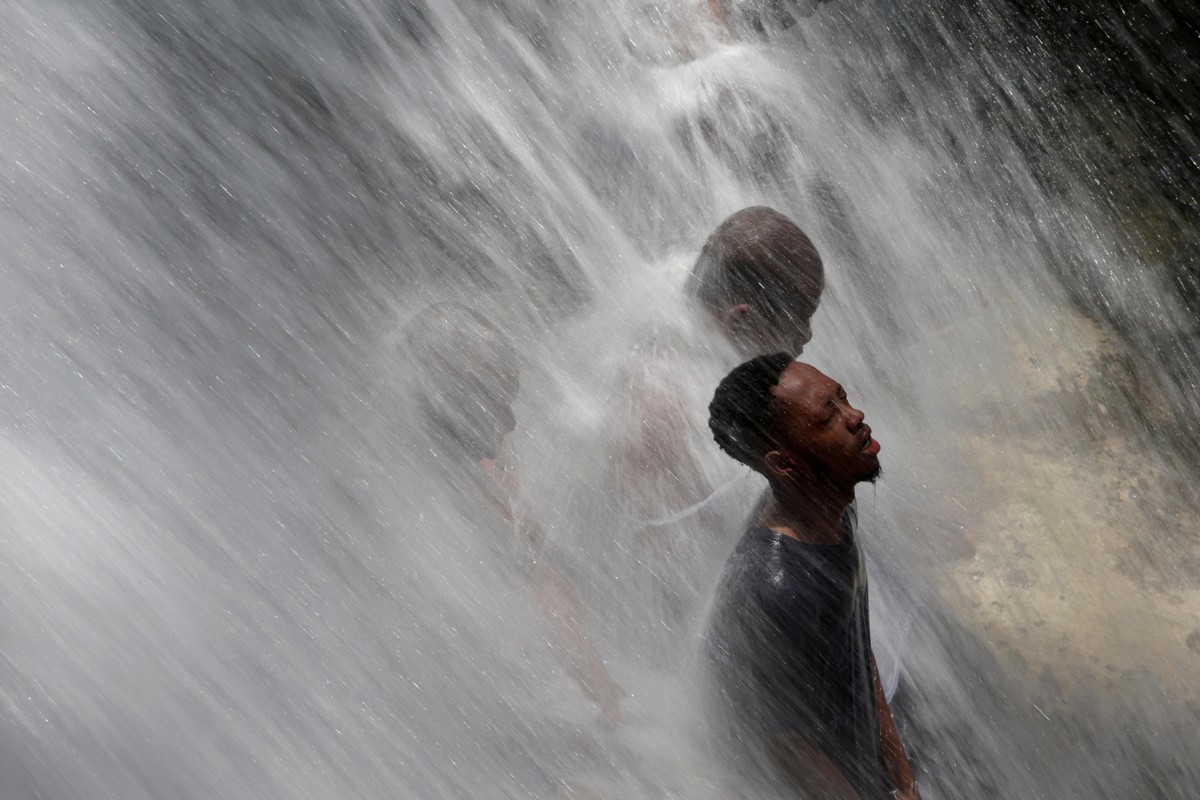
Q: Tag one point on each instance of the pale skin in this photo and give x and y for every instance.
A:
(824, 448)
(559, 604)
(717, 9)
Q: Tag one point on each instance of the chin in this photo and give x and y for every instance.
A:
(874, 474)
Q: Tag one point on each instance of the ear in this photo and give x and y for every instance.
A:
(736, 317)
(779, 464)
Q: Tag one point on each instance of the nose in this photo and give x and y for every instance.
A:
(855, 417)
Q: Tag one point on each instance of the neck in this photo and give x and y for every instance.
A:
(810, 514)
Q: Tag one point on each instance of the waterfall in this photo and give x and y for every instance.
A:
(232, 565)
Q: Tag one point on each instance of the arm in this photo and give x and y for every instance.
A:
(569, 640)
(560, 606)
(895, 760)
(808, 767)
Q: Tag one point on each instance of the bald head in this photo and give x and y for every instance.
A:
(761, 277)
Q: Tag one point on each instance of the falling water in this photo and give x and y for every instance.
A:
(228, 568)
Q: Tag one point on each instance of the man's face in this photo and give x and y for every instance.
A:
(820, 431)
(490, 396)
(779, 318)
(475, 408)
(786, 325)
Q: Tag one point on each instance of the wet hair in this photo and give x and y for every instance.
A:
(741, 414)
(759, 256)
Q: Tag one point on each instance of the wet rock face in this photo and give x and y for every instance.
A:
(1080, 548)
(1102, 100)
(1134, 64)
(1130, 123)
(1067, 546)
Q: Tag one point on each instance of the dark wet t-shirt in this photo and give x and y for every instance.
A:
(789, 645)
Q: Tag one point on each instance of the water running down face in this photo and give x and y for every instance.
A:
(819, 432)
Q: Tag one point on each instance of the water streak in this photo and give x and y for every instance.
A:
(229, 568)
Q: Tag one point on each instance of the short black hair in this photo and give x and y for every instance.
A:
(741, 414)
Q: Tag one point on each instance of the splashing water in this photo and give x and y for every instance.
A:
(233, 566)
